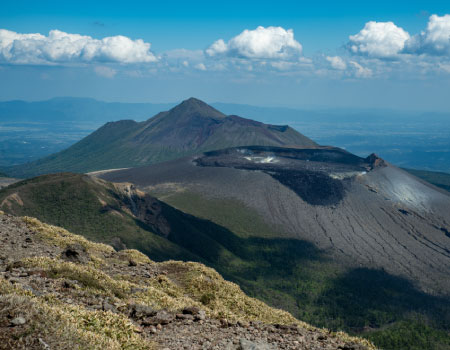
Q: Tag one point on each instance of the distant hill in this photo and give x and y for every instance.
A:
(191, 127)
(74, 109)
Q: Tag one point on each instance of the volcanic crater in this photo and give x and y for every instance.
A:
(318, 176)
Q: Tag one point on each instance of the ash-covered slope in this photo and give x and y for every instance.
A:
(191, 127)
(363, 212)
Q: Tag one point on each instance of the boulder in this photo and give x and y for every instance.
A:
(75, 253)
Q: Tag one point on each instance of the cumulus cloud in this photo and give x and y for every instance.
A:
(337, 62)
(261, 43)
(60, 47)
(379, 39)
(435, 40)
(217, 48)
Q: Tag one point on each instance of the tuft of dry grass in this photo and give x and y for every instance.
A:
(60, 237)
(224, 299)
(62, 326)
(88, 276)
(134, 255)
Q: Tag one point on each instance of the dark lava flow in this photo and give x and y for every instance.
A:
(318, 176)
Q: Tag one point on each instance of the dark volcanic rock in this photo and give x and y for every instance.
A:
(313, 187)
(137, 311)
(75, 253)
(375, 161)
(161, 317)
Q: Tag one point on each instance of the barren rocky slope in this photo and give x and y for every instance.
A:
(60, 291)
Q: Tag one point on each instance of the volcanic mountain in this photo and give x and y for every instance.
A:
(365, 211)
(189, 128)
(380, 234)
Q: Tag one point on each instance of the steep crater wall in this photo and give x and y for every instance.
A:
(318, 176)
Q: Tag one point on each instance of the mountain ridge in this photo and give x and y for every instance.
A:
(190, 127)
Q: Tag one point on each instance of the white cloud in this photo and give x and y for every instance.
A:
(60, 47)
(435, 40)
(217, 48)
(360, 71)
(200, 66)
(445, 67)
(282, 65)
(106, 72)
(261, 43)
(379, 39)
(337, 62)
(181, 59)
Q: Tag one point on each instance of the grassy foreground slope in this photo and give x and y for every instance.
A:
(61, 313)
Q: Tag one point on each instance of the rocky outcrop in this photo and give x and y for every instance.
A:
(375, 161)
(143, 207)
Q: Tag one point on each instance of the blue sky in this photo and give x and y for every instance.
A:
(302, 54)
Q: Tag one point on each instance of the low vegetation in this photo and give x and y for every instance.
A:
(53, 324)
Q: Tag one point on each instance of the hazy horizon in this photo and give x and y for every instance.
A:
(305, 107)
(323, 55)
